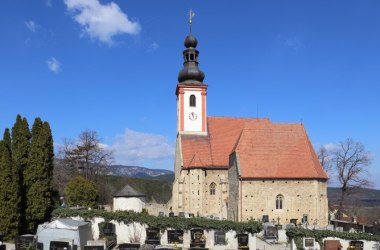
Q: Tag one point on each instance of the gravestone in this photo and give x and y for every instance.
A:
(265, 219)
(171, 214)
(175, 236)
(23, 242)
(242, 241)
(161, 214)
(60, 245)
(270, 232)
(197, 239)
(308, 243)
(278, 227)
(290, 225)
(191, 215)
(357, 244)
(181, 214)
(93, 247)
(332, 245)
(129, 246)
(294, 221)
(108, 229)
(40, 246)
(220, 238)
(153, 236)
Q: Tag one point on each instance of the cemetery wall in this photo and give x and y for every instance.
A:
(368, 245)
(137, 232)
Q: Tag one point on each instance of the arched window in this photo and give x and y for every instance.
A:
(192, 101)
(212, 188)
(279, 201)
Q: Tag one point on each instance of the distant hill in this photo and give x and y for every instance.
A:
(362, 197)
(139, 172)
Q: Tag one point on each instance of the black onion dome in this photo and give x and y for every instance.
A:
(191, 74)
(191, 41)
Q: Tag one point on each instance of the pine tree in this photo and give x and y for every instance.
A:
(20, 153)
(38, 176)
(9, 190)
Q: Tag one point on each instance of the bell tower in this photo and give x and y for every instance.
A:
(191, 91)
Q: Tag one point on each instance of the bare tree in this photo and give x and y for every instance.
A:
(86, 154)
(324, 157)
(351, 162)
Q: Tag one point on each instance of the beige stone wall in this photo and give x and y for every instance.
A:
(191, 193)
(300, 197)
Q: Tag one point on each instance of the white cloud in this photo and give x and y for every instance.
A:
(31, 25)
(53, 64)
(153, 46)
(48, 3)
(294, 42)
(138, 148)
(100, 21)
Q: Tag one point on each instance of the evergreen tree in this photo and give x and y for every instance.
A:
(38, 176)
(20, 153)
(9, 190)
(81, 192)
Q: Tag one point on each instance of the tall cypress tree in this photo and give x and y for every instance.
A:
(9, 190)
(38, 176)
(20, 153)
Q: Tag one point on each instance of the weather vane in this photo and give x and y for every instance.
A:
(191, 15)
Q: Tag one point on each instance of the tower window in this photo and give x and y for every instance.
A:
(192, 101)
(279, 201)
(212, 188)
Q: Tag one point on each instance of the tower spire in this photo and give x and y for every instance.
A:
(191, 74)
(191, 15)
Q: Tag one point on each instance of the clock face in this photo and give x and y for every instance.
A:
(193, 116)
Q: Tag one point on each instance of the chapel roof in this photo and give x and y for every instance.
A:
(128, 191)
(265, 150)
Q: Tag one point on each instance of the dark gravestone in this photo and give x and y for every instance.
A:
(93, 247)
(1, 237)
(175, 236)
(129, 246)
(153, 236)
(40, 246)
(357, 245)
(293, 221)
(3, 247)
(108, 229)
(265, 218)
(191, 215)
(59, 245)
(171, 214)
(278, 227)
(308, 243)
(220, 238)
(23, 242)
(242, 241)
(270, 232)
(197, 238)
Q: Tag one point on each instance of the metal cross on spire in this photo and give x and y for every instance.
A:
(191, 15)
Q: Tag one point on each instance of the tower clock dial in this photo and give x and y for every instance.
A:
(193, 116)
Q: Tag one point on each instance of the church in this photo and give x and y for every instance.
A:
(241, 169)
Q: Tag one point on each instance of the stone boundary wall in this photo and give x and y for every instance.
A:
(126, 232)
(368, 245)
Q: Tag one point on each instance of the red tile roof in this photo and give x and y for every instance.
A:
(264, 149)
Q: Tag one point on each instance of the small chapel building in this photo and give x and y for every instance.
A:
(241, 168)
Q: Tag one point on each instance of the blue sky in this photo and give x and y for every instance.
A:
(112, 66)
